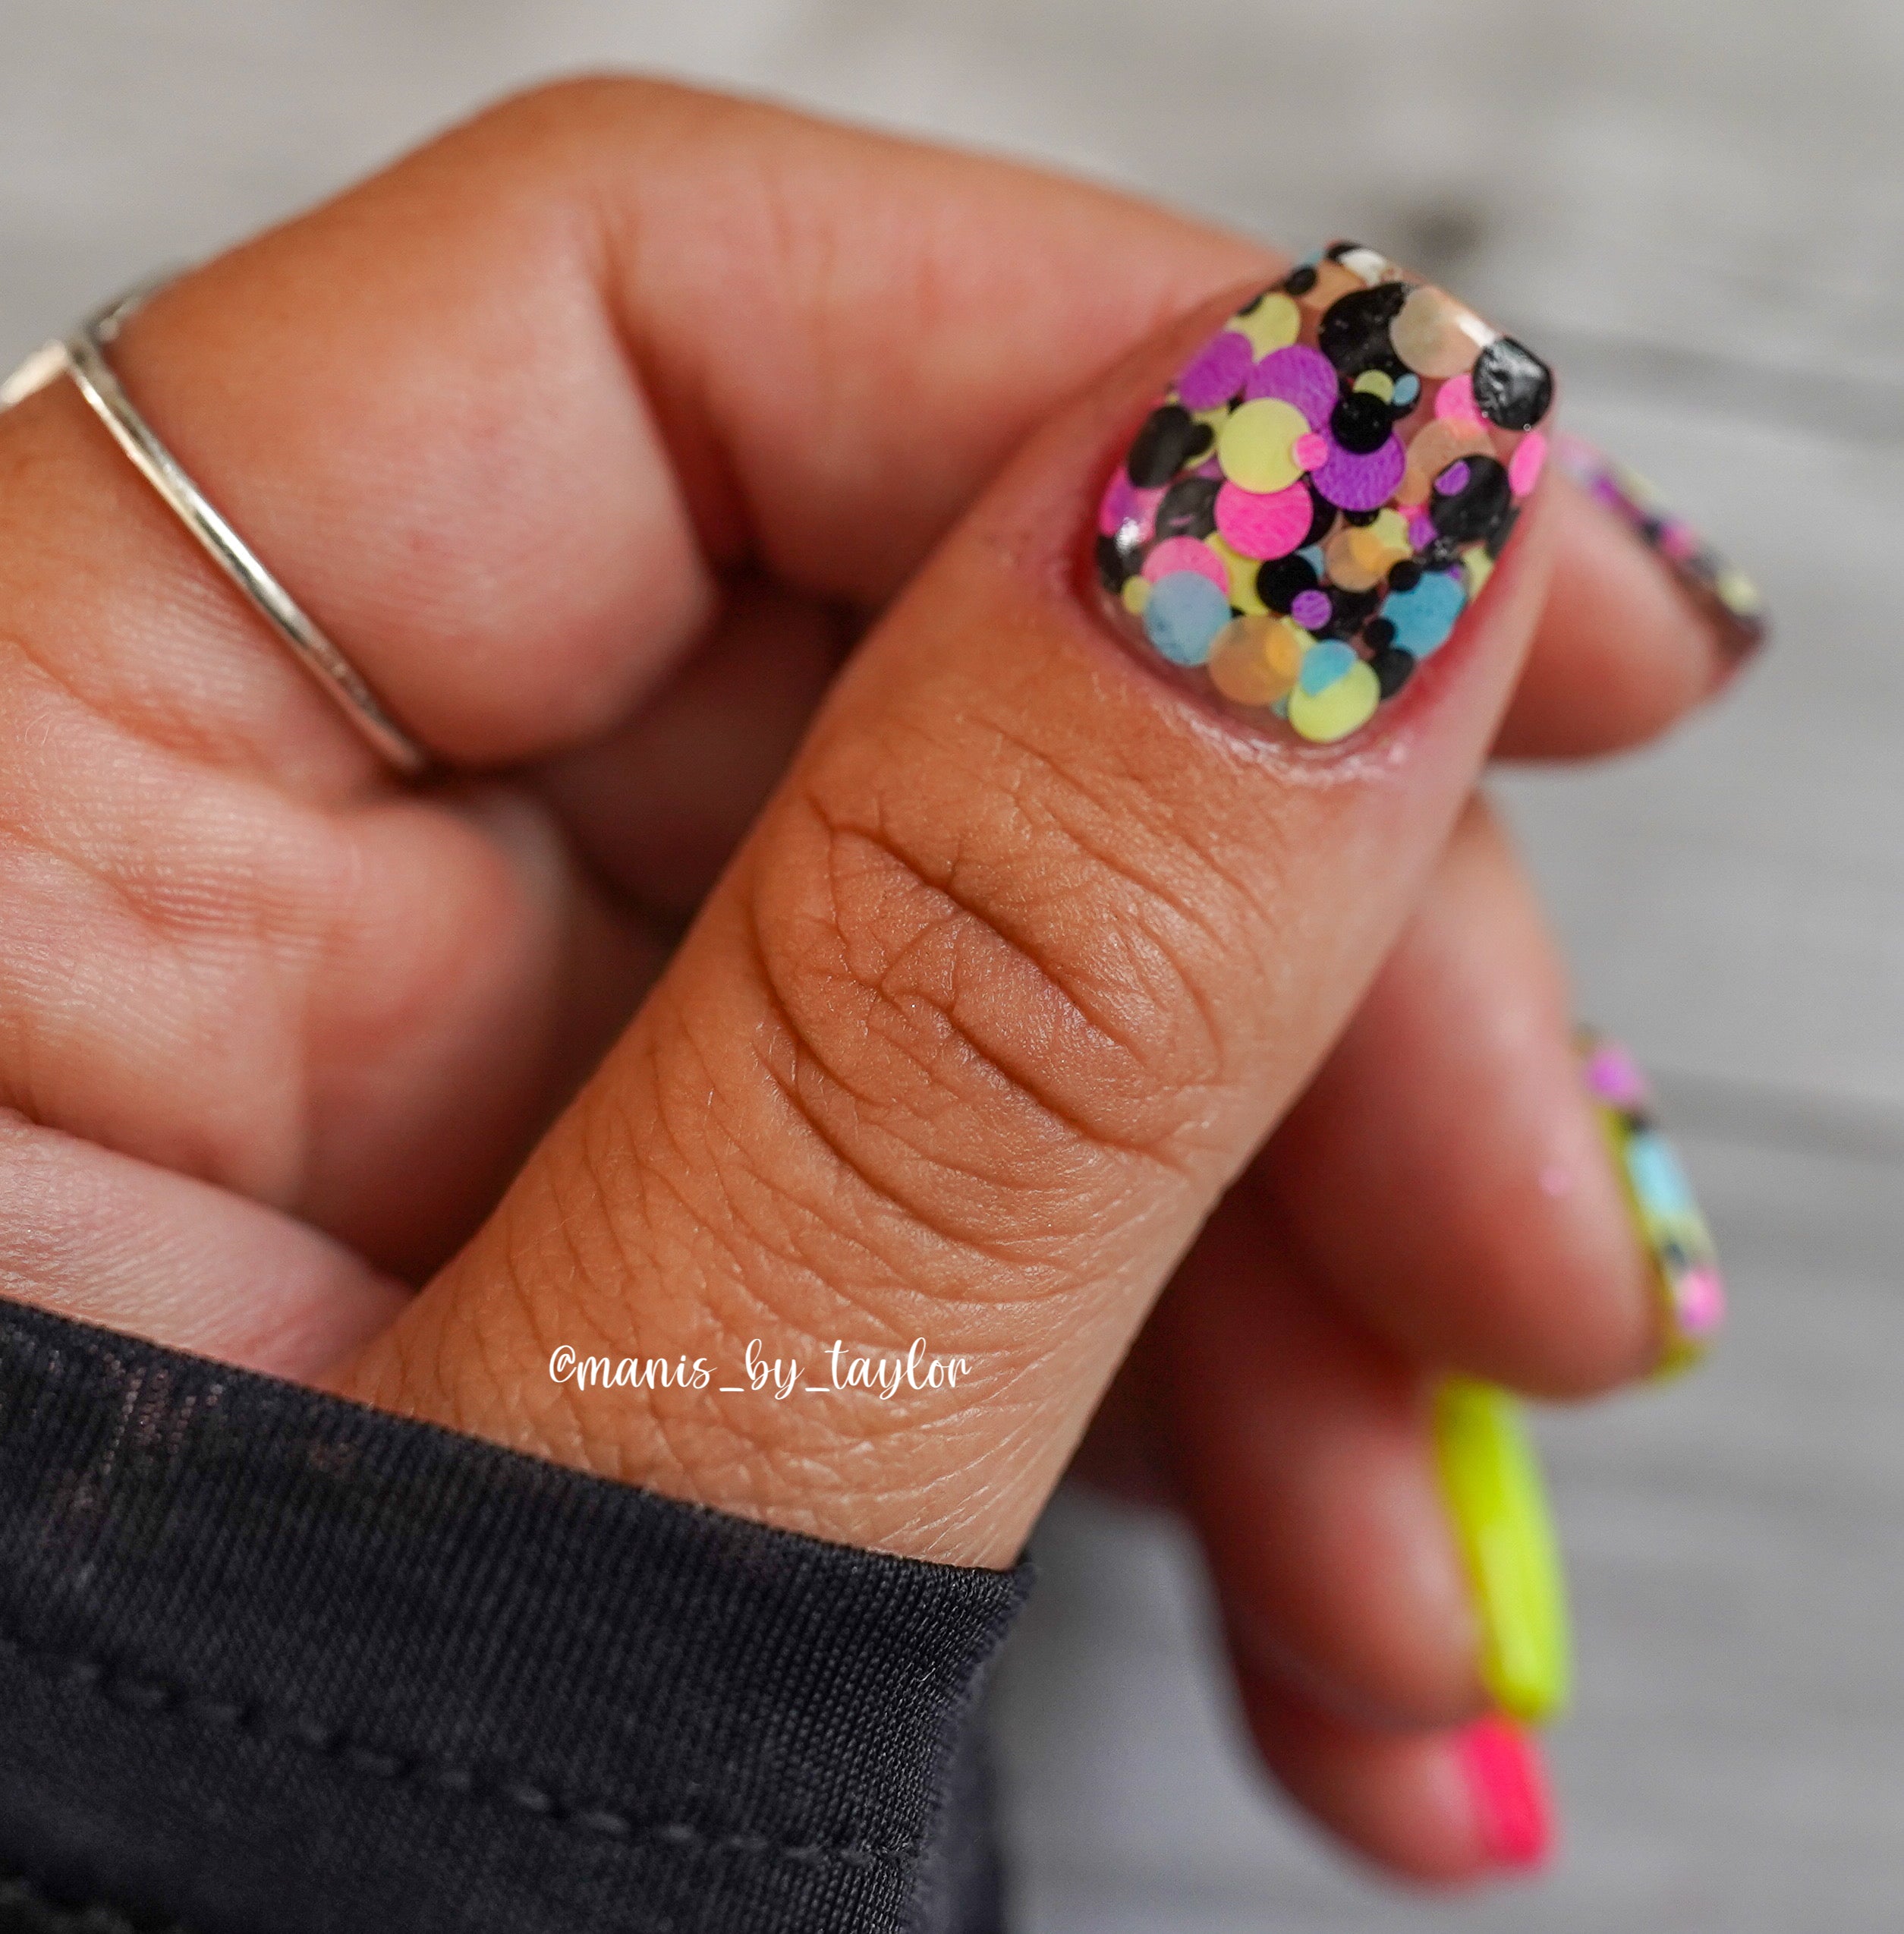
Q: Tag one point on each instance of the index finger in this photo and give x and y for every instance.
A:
(502, 415)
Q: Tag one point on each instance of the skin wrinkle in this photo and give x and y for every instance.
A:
(940, 884)
(767, 1314)
(957, 918)
(801, 1043)
(213, 1162)
(1132, 805)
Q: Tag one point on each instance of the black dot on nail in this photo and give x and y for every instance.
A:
(1391, 669)
(1349, 611)
(1112, 569)
(1379, 633)
(1299, 282)
(1512, 386)
(1189, 508)
(1503, 529)
(1471, 513)
(1361, 422)
(1404, 577)
(1355, 333)
(1281, 581)
(1170, 437)
(1322, 517)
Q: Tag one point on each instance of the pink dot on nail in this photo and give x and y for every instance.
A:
(1614, 1076)
(1310, 450)
(1455, 401)
(1701, 1301)
(1524, 466)
(1125, 503)
(1186, 554)
(1263, 524)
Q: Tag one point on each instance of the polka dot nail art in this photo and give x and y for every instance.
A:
(1324, 490)
(1727, 599)
(1691, 1291)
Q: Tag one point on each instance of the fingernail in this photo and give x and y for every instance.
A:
(1323, 491)
(1507, 1778)
(1491, 1476)
(1725, 597)
(1691, 1291)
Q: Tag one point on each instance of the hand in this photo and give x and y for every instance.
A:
(597, 432)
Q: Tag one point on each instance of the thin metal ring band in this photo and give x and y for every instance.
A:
(82, 356)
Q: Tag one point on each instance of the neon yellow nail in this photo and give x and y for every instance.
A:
(1490, 1473)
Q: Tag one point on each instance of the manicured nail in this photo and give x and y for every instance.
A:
(1686, 1266)
(1726, 597)
(1490, 1474)
(1321, 493)
(1508, 1780)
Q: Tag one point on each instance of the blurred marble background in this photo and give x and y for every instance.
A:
(1697, 207)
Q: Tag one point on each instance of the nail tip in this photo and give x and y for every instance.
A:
(1689, 1287)
(1728, 601)
(1491, 1477)
(1512, 1796)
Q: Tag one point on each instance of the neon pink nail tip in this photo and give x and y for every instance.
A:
(1509, 1783)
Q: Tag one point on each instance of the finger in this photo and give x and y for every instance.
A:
(1300, 1452)
(238, 956)
(101, 1237)
(563, 431)
(660, 804)
(1629, 643)
(1018, 966)
(1443, 1808)
(1506, 1242)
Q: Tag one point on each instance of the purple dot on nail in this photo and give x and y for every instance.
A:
(1452, 480)
(1216, 373)
(1311, 610)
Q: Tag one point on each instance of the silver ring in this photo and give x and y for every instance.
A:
(83, 357)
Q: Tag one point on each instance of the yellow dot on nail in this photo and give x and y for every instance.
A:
(1136, 595)
(1476, 567)
(1242, 575)
(1377, 382)
(1274, 323)
(1257, 446)
(1339, 709)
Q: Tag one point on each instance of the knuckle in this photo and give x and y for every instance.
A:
(998, 950)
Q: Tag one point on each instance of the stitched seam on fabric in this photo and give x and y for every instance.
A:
(150, 1696)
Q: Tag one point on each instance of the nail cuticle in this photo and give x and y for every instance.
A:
(1323, 491)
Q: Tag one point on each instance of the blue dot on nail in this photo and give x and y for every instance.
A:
(1424, 614)
(1185, 613)
(1324, 663)
(1658, 1179)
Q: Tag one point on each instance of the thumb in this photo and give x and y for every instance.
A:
(1042, 933)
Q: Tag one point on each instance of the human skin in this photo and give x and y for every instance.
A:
(718, 996)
